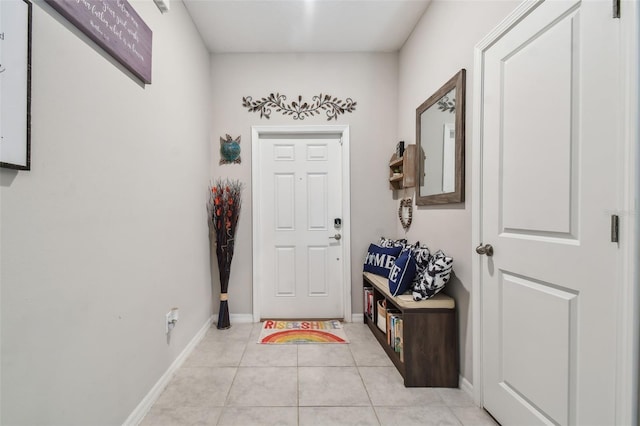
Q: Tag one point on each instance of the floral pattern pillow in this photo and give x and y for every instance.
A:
(434, 277)
(421, 255)
(389, 242)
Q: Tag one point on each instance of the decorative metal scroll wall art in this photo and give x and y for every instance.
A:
(405, 213)
(299, 110)
(230, 150)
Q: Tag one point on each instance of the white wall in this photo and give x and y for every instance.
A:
(441, 44)
(108, 230)
(370, 80)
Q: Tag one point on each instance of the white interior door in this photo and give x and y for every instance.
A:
(301, 256)
(550, 140)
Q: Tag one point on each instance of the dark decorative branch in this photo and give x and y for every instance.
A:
(225, 202)
(300, 110)
(444, 104)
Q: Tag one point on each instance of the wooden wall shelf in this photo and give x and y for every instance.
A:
(402, 170)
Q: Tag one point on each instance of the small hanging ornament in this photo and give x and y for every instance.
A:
(230, 150)
(405, 213)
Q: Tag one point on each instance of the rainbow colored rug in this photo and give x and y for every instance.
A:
(295, 332)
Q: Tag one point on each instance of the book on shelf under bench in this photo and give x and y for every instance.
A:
(368, 301)
(425, 333)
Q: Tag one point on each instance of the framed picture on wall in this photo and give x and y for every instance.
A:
(15, 84)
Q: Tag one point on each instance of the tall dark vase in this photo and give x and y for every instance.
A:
(224, 210)
(223, 315)
(225, 255)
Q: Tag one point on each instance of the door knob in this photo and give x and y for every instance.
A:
(336, 237)
(485, 249)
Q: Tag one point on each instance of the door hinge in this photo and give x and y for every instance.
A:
(616, 9)
(615, 228)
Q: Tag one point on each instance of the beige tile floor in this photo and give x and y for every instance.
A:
(229, 379)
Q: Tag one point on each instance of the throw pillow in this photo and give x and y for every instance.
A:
(388, 242)
(380, 260)
(402, 273)
(421, 254)
(435, 276)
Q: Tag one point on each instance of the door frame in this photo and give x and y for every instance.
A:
(628, 328)
(306, 130)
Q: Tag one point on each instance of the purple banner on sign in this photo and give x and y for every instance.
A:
(116, 27)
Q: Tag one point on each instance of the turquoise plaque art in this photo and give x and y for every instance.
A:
(230, 150)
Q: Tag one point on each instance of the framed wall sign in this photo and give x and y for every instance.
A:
(15, 84)
(114, 26)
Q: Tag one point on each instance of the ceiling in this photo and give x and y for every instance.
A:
(269, 26)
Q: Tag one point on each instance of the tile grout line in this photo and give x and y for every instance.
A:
(355, 363)
(298, 384)
(237, 368)
(455, 416)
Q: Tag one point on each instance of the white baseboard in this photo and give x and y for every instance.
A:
(238, 318)
(466, 386)
(357, 318)
(145, 405)
(248, 318)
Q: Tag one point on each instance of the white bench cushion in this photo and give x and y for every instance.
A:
(439, 301)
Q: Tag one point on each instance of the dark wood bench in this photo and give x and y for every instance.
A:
(430, 335)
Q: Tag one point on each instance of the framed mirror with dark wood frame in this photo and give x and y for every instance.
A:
(440, 143)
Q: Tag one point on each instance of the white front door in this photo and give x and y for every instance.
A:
(300, 226)
(550, 140)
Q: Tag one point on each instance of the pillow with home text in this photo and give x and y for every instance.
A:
(402, 273)
(380, 260)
